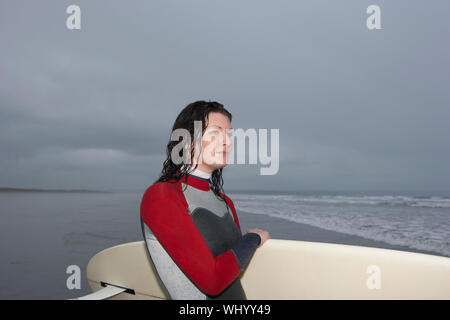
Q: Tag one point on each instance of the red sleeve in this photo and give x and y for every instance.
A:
(233, 210)
(165, 211)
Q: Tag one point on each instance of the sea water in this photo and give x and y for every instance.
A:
(417, 222)
(43, 233)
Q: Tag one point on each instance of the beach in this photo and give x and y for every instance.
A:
(44, 233)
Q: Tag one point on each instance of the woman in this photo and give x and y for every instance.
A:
(190, 226)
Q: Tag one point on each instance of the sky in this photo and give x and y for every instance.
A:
(357, 110)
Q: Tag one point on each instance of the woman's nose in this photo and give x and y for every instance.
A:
(227, 141)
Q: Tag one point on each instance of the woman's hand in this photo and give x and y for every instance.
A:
(262, 233)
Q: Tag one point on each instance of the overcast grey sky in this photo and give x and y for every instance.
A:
(358, 109)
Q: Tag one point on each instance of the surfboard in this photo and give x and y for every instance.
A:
(288, 269)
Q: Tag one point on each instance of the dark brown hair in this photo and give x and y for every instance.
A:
(196, 111)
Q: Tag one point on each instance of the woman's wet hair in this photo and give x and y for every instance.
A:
(196, 111)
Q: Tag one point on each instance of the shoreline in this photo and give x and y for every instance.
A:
(279, 228)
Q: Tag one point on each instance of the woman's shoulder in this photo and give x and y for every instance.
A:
(162, 200)
(162, 189)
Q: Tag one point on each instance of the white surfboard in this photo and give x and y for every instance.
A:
(287, 269)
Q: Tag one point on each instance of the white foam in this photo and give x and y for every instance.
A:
(421, 223)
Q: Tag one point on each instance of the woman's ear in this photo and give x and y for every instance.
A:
(188, 157)
(197, 146)
(187, 154)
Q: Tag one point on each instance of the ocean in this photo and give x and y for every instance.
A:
(417, 222)
(43, 233)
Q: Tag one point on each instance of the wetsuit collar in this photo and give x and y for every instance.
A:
(196, 182)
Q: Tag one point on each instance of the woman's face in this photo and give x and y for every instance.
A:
(216, 143)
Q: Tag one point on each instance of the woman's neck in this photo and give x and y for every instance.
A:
(201, 174)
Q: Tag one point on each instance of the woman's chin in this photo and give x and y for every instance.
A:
(217, 165)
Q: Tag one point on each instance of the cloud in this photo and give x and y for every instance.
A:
(355, 108)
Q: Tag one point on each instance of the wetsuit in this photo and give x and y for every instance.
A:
(194, 241)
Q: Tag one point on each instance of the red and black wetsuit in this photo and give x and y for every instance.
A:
(194, 241)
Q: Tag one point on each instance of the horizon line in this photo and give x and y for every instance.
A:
(310, 191)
